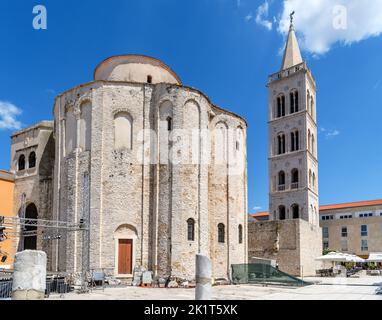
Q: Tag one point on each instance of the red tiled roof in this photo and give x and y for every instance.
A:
(260, 214)
(351, 205)
(334, 206)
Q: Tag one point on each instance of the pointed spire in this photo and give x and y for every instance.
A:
(292, 54)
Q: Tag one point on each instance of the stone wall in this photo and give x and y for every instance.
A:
(294, 244)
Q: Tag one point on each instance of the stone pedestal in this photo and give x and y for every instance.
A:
(203, 289)
(29, 278)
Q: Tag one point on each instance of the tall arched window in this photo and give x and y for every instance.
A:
(295, 211)
(85, 126)
(295, 179)
(123, 131)
(21, 163)
(308, 102)
(281, 144)
(310, 178)
(312, 111)
(169, 123)
(190, 229)
(294, 101)
(240, 234)
(32, 160)
(313, 145)
(309, 139)
(221, 233)
(282, 213)
(295, 140)
(281, 184)
(281, 106)
(314, 180)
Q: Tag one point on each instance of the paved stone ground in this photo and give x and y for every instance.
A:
(326, 289)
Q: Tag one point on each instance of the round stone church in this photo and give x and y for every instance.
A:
(157, 171)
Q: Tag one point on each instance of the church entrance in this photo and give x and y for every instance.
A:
(125, 256)
(30, 242)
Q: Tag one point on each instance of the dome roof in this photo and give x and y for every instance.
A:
(135, 68)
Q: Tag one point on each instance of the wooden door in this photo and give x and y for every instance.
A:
(125, 256)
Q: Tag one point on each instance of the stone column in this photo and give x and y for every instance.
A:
(203, 289)
(29, 278)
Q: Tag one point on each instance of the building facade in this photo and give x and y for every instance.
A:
(7, 243)
(155, 169)
(292, 237)
(354, 228)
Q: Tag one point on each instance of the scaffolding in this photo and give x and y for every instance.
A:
(15, 227)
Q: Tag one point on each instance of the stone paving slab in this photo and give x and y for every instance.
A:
(329, 289)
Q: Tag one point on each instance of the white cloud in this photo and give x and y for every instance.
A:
(257, 208)
(8, 116)
(330, 133)
(248, 17)
(320, 24)
(262, 15)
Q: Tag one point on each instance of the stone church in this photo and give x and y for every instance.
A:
(153, 167)
(293, 236)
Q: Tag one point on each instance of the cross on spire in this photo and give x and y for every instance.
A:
(291, 18)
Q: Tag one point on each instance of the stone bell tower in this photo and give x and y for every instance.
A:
(293, 236)
(293, 165)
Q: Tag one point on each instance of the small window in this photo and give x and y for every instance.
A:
(282, 213)
(325, 232)
(364, 245)
(221, 233)
(326, 244)
(240, 234)
(191, 230)
(21, 164)
(296, 211)
(32, 160)
(344, 232)
(344, 245)
(149, 79)
(169, 124)
(364, 231)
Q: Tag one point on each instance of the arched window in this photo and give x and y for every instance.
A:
(295, 179)
(21, 163)
(314, 180)
(312, 112)
(310, 178)
(169, 123)
(190, 229)
(281, 106)
(295, 211)
(281, 184)
(282, 213)
(294, 101)
(240, 234)
(123, 131)
(149, 79)
(295, 140)
(281, 144)
(309, 139)
(32, 160)
(85, 126)
(221, 233)
(313, 144)
(308, 102)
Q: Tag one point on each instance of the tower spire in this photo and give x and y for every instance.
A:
(292, 54)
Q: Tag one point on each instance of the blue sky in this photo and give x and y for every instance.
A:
(225, 48)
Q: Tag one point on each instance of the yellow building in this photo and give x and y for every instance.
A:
(7, 247)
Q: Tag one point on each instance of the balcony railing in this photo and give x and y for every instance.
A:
(286, 73)
(281, 187)
(294, 185)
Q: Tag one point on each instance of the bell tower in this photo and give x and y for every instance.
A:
(293, 164)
